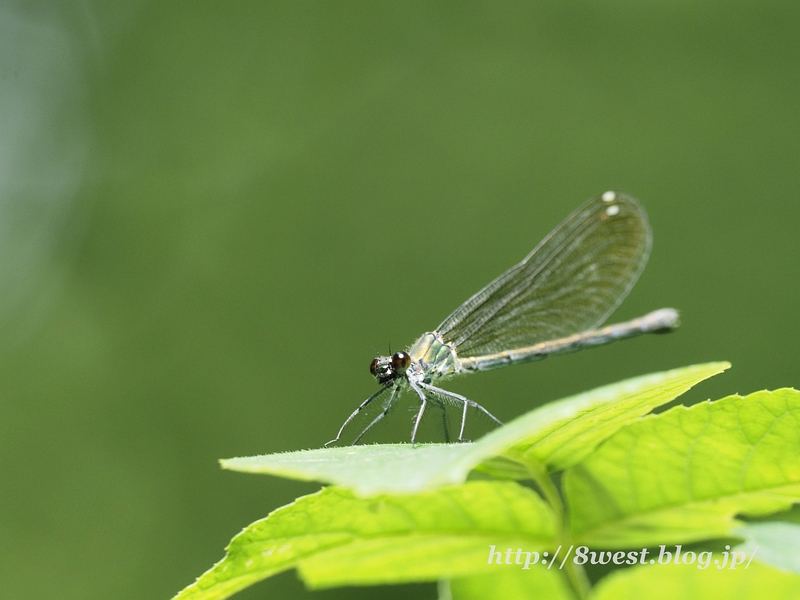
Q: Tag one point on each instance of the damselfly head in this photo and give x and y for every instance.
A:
(388, 368)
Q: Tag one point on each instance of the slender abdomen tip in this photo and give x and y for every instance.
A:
(663, 320)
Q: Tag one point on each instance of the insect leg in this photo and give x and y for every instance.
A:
(466, 401)
(444, 424)
(361, 407)
(424, 400)
(437, 403)
(389, 404)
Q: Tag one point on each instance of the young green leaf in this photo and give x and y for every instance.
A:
(337, 538)
(510, 583)
(684, 474)
(563, 433)
(668, 582)
(774, 543)
(370, 469)
(557, 434)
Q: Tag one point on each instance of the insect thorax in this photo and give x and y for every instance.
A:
(437, 358)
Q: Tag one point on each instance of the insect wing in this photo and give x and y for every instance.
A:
(571, 282)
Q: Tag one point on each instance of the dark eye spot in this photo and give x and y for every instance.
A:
(373, 367)
(400, 362)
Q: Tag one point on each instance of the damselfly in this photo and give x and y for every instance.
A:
(552, 302)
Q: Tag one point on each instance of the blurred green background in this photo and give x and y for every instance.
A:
(212, 215)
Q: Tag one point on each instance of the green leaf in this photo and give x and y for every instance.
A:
(371, 469)
(563, 433)
(774, 543)
(668, 582)
(558, 434)
(509, 582)
(337, 538)
(502, 467)
(683, 475)
(445, 533)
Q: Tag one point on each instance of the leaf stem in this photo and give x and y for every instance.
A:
(576, 577)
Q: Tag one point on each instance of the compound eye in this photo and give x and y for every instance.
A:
(373, 367)
(400, 362)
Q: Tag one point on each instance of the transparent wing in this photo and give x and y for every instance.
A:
(568, 284)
